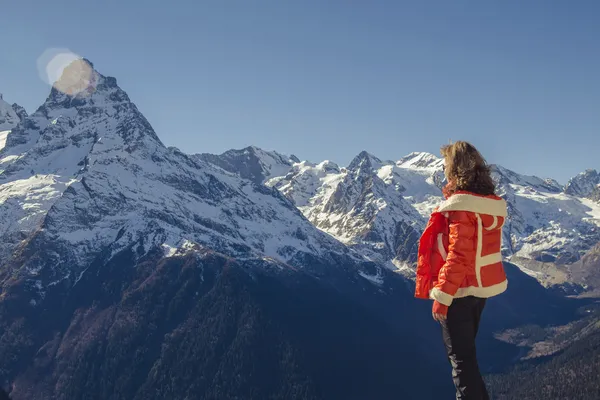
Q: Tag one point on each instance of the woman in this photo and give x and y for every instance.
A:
(460, 262)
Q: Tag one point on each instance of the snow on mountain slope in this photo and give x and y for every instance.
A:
(3, 136)
(88, 176)
(504, 176)
(55, 144)
(547, 228)
(8, 116)
(421, 161)
(420, 178)
(548, 231)
(362, 205)
(252, 163)
(306, 180)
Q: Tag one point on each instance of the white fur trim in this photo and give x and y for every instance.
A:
(440, 297)
(476, 204)
(483, 292)
(441, 248)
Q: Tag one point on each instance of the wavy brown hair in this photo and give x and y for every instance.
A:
(467, 170)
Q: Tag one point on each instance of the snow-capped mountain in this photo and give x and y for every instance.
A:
(421, 160)
(365, 205)
(362, 205)
(379, 208)
(86, 173)
(546, 224)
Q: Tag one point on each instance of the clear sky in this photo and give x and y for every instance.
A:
(325, 79)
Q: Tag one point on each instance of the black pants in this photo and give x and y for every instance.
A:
(459, 332)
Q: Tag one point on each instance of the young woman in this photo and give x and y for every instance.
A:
(460, 262)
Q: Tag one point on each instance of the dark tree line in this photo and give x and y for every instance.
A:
(574, 374)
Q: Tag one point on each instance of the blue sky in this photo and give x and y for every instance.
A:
(327, 79)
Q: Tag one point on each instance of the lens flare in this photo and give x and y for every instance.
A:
(52, 63)
(67, 72)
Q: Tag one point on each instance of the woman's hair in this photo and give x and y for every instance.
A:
(466, 170)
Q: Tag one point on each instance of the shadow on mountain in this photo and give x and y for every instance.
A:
(207, 327)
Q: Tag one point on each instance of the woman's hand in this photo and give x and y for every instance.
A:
(439, 312)
(439, 317)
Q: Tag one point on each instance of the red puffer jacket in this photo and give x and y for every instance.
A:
(459, 252)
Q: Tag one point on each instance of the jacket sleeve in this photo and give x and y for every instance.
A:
(462, 245)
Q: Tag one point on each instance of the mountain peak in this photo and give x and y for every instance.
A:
(9, 118)
(584, 184)
(328, 166)
(80, 85)
(252, 163)
(262, 153)
(420, 160)
(82, 92)
(365, 161)
(20, 111)
(504, 176)
(85, 113)
(78, 77)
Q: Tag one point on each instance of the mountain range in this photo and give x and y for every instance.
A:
(379, 208)
(132, 270)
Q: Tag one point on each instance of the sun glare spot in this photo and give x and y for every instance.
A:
(67, 72)
(52, 63)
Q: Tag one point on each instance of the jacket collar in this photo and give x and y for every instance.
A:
(465, 201)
